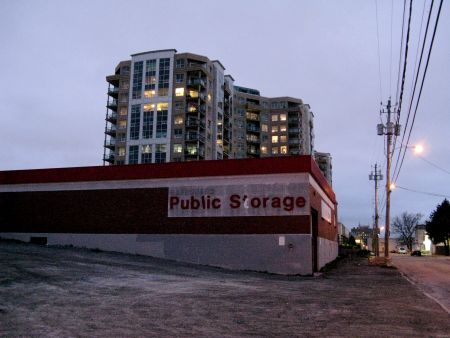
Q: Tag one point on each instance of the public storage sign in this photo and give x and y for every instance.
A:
(239, 200)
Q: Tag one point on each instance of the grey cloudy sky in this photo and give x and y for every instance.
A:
(55, 56)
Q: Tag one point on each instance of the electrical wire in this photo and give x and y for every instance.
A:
(405, 63)
(434, 164)
(390, 54)
(421, 85)
(416, 76)
(378, 50)
(423, 192)
(401, 50)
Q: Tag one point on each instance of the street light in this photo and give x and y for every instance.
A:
(418, 149)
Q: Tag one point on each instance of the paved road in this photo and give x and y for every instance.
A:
(430, 274)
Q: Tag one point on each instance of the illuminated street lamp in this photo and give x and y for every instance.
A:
(418, 149)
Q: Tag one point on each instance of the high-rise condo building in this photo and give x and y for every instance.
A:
(167, 106)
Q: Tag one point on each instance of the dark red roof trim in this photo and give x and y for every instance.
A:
(259, 166)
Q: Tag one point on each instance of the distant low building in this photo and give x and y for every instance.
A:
(423, 243)
(394, 244)
(343, 233)
(362, 233)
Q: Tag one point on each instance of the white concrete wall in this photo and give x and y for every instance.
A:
(283, 254)
(328, 251)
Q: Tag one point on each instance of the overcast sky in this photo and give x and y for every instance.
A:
(55, 56)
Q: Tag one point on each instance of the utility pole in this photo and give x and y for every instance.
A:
(376, 176)
(389, 130)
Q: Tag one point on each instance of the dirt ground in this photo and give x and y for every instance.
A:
(67, 292)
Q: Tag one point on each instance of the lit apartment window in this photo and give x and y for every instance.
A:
(283, 150)
(274, 139)
(274, 150)
(252, 116)
(150, 78)
(146, 153)
(274, 117)
(179, 91)
(123, 111)
(164, 74)
(149, 93)
(283, 128)
(178, 120)
(162, 106)
(135, 120)
(264, 128)
(133, 154)
(192, 150)
(121, 151)
(160, 153)
(177, 148)
(122, 124)
(193, 93)
(137, 80)
(179, 78)
(282, 117)
(274, 129)
(283, 138)
(263, 150)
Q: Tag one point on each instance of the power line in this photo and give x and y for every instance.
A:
(421, 85)
(399, 106)
(423, 192)
(390, 63)
(416, 76)
(434, 164)
(400, 53)
(378, 50)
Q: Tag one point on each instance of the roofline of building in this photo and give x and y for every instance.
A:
(237, 89)
(220, 63)
(155, 51)
(198, 57)
(210, 168)
(228, 75)
(287, 98)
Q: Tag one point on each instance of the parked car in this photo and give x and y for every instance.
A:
(402, 251)
(416, 253)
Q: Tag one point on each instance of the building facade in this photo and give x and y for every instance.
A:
(269, 214)
(165, 106)
(324, 161)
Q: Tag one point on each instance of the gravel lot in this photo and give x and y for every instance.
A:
(67, 292)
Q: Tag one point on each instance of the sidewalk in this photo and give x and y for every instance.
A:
(48, 291)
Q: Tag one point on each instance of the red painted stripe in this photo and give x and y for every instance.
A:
(259, 166)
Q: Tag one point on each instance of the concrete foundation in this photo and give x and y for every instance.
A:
(283, 254)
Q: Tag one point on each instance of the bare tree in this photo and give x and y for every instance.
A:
(405, 226)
